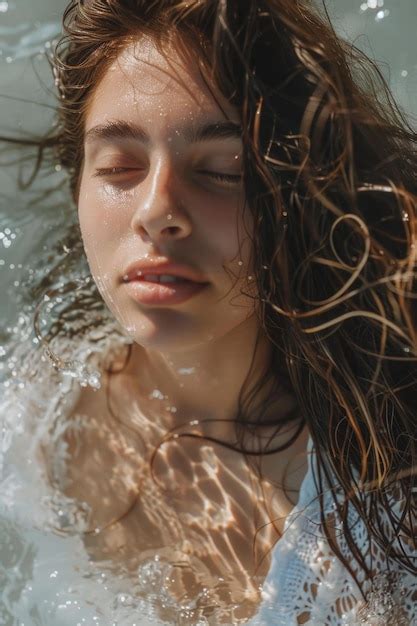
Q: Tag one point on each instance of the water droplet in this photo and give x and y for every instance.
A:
(156, 394)
(169, 216)
(404, 73)
(4, 6)
(240, 263)
(186, 371)
(405, 216)
(381, 14)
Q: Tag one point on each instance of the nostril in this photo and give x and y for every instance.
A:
(173, 230)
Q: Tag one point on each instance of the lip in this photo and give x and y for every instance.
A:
(155, 293)
(158, 267)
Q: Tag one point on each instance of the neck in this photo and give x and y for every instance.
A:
(203, 383)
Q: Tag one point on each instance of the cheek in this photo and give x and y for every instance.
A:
(237, 245)
(102, 220)
(227, 227)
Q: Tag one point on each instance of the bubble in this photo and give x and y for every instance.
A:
(81, 372)
(381, 14)
(4, 6)
(404, 73)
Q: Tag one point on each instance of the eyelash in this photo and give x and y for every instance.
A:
(114, 171)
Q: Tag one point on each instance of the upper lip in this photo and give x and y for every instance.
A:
(157, 267)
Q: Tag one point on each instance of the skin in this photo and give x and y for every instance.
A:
(164, 203)
(169, 204)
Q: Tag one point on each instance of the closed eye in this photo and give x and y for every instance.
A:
(230, 178)
(113, 171)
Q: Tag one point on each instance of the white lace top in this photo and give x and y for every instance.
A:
(40, 579)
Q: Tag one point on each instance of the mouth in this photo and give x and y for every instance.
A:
(161, 289)
(164, 279)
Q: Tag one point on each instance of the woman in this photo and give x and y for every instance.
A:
(248, 213)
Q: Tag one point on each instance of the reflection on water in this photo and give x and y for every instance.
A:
(60, 564)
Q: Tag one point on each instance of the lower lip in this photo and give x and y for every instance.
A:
(150, 293)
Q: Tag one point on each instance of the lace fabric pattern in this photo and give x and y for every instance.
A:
(306, 582)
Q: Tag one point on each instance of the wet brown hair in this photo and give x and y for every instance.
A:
(330, 176)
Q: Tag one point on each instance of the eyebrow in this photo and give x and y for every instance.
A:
(119, 130)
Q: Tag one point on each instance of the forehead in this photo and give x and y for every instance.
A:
(163, 82)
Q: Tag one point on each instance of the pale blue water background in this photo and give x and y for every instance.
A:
(386, 30)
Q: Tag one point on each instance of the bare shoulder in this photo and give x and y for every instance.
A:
(102, 465)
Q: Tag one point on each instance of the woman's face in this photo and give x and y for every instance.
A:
(161, 202)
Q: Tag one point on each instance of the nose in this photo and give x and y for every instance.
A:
(159, 215)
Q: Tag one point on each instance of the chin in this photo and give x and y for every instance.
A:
(166, 331)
